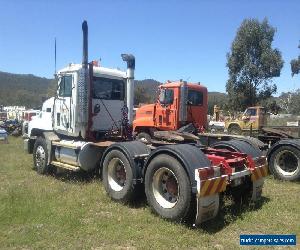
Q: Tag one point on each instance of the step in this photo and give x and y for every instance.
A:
(65, 166)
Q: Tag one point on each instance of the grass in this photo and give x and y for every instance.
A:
(72, 211)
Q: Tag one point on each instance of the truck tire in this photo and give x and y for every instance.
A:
(144, 137)
(40, 156)
(168, 188)
(254, 141)
(234, 129)
(239, 146)
(284, 163)
(118, 176)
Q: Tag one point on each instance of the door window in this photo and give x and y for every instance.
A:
(108, 89)
(195, 97)
(65, 86)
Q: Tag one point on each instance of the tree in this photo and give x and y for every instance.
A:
(290, 102)
(252, 63)
(295, 65)
(140, 95)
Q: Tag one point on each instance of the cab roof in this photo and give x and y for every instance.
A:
(98, 71)
(180, 83)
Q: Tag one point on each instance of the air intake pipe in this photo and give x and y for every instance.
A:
(130, 59)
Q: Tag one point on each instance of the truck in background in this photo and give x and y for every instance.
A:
(87, 127)
(179, 104)
(182, 103)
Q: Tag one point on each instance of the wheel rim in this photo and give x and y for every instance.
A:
(287, 163)
(40, 157)
(116, 174)
(143, 139)
(165, 187)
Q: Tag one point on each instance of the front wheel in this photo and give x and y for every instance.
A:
(168, 188)
(118, 176)
(285, 163)
(234, 130)
(40, 156)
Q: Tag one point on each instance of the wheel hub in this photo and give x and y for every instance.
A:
(287, 163)
(116, 174)
(165, 187)
(40, 156)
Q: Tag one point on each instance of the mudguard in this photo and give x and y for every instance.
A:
(134, 151)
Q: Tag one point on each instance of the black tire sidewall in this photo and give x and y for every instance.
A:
(274, 170)
(127, 193)
(180, 210)
(144, 135)
(42, 169)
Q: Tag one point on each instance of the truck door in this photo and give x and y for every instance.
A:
(263, 116)
(197, 107)
(107, 103)
(63, 105)
(165, 110)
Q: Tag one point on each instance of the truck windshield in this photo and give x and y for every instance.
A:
(250, 112)
(108, 89)
(195, 97)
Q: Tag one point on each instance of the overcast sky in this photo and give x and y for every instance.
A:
(170, 39)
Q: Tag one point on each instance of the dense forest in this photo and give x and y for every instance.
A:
(30, 91)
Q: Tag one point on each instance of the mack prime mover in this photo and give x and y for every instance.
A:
(87, 127)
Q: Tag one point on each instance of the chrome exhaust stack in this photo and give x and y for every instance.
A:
(85, 44)
(83, 82)
(130, 60)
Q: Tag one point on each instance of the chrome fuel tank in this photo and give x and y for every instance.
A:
(78, 153)
(67, 155)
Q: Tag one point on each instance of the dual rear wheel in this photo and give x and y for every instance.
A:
(167, 186)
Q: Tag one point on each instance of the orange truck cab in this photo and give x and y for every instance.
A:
(178, 104)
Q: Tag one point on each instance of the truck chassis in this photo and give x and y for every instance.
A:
(173, 176)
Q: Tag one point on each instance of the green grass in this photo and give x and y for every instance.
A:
(69, 211)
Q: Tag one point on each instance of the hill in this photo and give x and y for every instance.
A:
(29, 90)
(22, 89)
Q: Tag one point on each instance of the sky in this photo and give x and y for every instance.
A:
(171, 40)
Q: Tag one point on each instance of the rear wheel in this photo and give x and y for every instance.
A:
(285, 163)
(118, 176)
(168, 188)
(239, 146)
(234, 130)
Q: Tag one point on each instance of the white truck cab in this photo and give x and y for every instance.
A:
(43, 121)
(107, 95)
